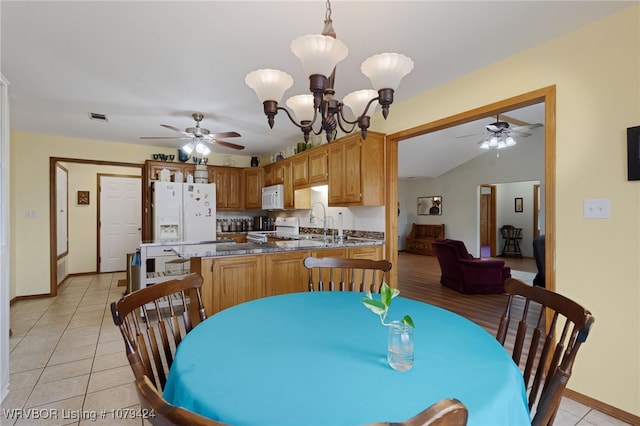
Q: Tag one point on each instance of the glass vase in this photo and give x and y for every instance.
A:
(400, 346)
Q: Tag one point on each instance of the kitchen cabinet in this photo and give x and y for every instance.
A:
(356, 170)
(367, 252)
(300, 170)
(253, 188)
(229, 281)
(310, 168)
(285, 273)
(238, 238)
(229, 189)
(318, 166)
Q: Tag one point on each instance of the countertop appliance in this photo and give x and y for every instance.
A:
(184, 211)
(273, 197)
(285, 227)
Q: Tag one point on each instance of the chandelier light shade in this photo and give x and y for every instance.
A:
(386, 70)
(357, 101)
(269, 84)
(302, 107)
(319, 55)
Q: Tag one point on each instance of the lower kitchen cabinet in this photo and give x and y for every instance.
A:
(285, 273)
(230, 280)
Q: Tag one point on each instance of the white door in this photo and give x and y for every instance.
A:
(120, 220)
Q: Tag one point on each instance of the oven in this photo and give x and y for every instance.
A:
(286, 227)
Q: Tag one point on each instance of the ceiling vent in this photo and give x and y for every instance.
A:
(99, 117)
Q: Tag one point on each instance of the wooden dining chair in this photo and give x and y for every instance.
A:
(447, 412)
(153, 321)
(345, 274)
(545, 351)
(159, 412)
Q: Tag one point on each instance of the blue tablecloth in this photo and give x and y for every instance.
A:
(321, 359)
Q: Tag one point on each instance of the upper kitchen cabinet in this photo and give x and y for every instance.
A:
(310, 168)
(356, 170)
(229, 187)
(253, 188)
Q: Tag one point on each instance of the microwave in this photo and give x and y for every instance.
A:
(273, 197)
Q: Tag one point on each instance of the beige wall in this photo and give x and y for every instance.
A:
(596, 71)
(30, 155)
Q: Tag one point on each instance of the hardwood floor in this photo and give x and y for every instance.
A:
(419, 278)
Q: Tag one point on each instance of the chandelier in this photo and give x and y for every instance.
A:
(319, 55)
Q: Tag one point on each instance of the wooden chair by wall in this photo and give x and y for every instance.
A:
(344, 274)
(153, 321)
(161, 413)
(448, 412)
(545, 357)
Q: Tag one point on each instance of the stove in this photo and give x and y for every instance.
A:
(285, 227)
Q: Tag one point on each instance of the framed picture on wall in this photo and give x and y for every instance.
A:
(518, 205)
(430, 205)
(83, 198)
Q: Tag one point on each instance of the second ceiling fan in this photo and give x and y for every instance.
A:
(200, 134)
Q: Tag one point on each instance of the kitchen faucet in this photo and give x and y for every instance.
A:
(312, 217)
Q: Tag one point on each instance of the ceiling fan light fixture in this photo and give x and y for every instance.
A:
(188, 148)
(202, 149)
(319, 55)
(510, 141)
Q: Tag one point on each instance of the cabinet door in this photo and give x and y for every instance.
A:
(236, 280)
(252, 188)
(300, 169)
(235, 192)
(277, 171)
(220, 178)
(318, 166)
(289, 193)
(268, 174)
(351, 176)
(336, 170)
(285, 273)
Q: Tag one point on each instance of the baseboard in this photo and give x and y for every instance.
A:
(602, 407)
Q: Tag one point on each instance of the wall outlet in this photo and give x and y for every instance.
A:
(597, 208)
(30, 214)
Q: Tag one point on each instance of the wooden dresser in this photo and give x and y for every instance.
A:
(422, 236)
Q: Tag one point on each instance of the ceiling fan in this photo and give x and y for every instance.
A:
(500, 134)
(200, 134)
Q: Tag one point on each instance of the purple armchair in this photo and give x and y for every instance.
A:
(463, 273)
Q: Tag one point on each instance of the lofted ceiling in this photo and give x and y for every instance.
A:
(147, 63)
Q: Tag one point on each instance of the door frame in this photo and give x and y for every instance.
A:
(53, 241)
(492, 220)
(546, 95)
(99, 211)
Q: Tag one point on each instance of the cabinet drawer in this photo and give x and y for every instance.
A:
(158, 251)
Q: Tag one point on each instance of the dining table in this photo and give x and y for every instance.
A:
(320, 358)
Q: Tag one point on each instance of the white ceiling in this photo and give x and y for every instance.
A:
(147, 63)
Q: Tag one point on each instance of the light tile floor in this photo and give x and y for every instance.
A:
(67, 361)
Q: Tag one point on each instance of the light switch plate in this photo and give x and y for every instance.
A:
(597, 208)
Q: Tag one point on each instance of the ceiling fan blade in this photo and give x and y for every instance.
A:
(492, 128)
(225, 135)
(166, 137)
(521, 134)
(175, 129)
(527, 127)
(228, 144)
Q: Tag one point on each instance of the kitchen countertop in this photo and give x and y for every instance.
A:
(216, 250)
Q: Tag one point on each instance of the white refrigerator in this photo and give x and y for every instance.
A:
(184, 211)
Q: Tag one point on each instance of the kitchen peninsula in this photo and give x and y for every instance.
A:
(237, 273)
